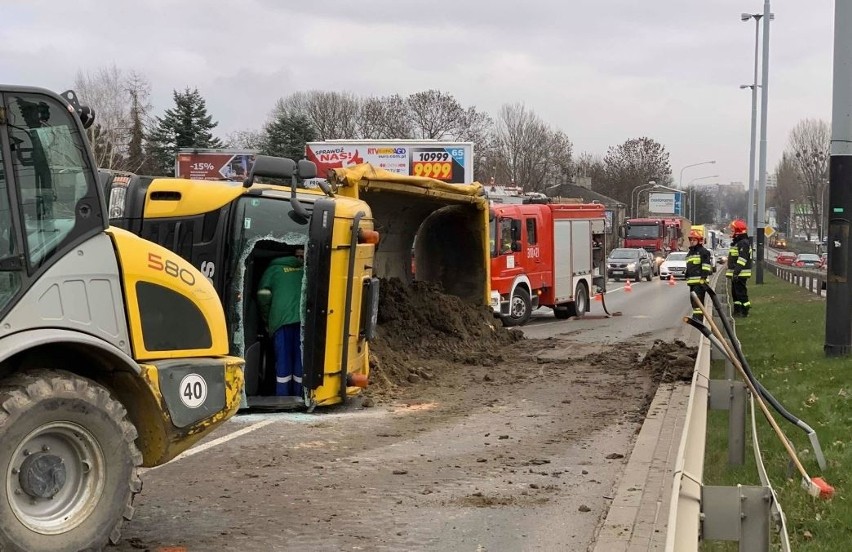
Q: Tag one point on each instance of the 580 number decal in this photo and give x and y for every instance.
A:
(171, 268)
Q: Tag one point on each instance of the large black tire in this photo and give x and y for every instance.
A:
(520, 308)
(69, 463)
(581, 300)
(577, 307)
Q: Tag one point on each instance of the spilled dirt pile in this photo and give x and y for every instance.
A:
(669, 362)
(422, 330)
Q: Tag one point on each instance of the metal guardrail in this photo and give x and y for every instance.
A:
(813, 280)
(702, 512)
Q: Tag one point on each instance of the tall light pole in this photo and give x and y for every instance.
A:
(680, 182)
(764, 106)
(754, 86)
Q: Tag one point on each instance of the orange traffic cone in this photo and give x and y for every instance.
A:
(627, 285)
(671, 280)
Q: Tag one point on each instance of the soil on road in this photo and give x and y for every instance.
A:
(471, 438)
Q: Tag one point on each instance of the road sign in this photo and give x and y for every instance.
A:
(678, 204)
(768, 231)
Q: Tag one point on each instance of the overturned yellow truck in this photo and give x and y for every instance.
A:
(363, 225)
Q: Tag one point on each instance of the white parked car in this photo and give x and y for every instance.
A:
(675, 264)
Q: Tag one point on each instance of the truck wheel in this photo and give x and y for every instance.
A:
(69, 463)
(581, 300)
(520, 308)
(575, 308)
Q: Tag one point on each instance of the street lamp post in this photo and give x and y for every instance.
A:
(764, 114)
(634, 207)
(692, 194)
(680, 181)
(754, 86)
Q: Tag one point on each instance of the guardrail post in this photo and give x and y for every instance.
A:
(730, 395)
(740, 514)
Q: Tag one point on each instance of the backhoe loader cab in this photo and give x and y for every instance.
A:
(233, 231)
(113, 350)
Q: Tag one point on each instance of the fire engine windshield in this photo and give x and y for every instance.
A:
(640, 231)
(500, 231)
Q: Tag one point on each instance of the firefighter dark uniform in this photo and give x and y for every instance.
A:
(739, 268)
(699, 267)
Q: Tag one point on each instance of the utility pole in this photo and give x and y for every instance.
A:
(764, 100)
(838, 329)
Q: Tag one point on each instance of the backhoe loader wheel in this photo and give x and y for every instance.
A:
(69, 463)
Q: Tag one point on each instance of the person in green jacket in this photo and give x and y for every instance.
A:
(279, 298)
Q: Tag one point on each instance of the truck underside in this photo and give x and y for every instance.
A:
(444, 226)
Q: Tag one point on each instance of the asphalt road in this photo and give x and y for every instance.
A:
(518, 457)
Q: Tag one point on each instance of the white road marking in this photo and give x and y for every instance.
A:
(213, 443)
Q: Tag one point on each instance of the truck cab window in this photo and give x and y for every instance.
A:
(532, 238)
(51, 169)
(505, 236)
(10, 280)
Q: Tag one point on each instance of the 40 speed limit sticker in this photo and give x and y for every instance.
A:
(193, 390)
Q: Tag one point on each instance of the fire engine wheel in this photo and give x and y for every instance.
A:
(69, 461)
(581, 300)
(520, 308)
(577, 307)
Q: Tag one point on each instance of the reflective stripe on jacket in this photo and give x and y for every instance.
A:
(698, 265)
(739, 257)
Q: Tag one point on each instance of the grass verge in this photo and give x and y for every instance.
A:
(782, 340)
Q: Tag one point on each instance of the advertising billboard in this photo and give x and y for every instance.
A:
(662, 203)
(448, 161)
(196, 164)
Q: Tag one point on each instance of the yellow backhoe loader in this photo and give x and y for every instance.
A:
(113, 350)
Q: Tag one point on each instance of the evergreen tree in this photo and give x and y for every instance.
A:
(187, 125)
(286, 134)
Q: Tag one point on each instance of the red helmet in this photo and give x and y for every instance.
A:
(696, 235)
(739, 227)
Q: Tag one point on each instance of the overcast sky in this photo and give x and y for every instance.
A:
(602, 71)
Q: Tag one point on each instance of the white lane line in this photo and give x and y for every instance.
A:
(213, 443)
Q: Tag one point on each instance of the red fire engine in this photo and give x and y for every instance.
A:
(660, 236)
(545, 255)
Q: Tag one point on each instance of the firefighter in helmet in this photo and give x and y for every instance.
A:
(739, 267)
(699, 267)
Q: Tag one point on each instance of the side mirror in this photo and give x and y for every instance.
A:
(271, 167)
(307, 169)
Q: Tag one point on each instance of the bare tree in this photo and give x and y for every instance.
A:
(334, 115)
(105, 91)
(589, 165)
(384, 118)
(633, 163)
(560, 166)
(245, 139)
(523, 143)
(788, 189)
(434, 114)
(808, 147)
